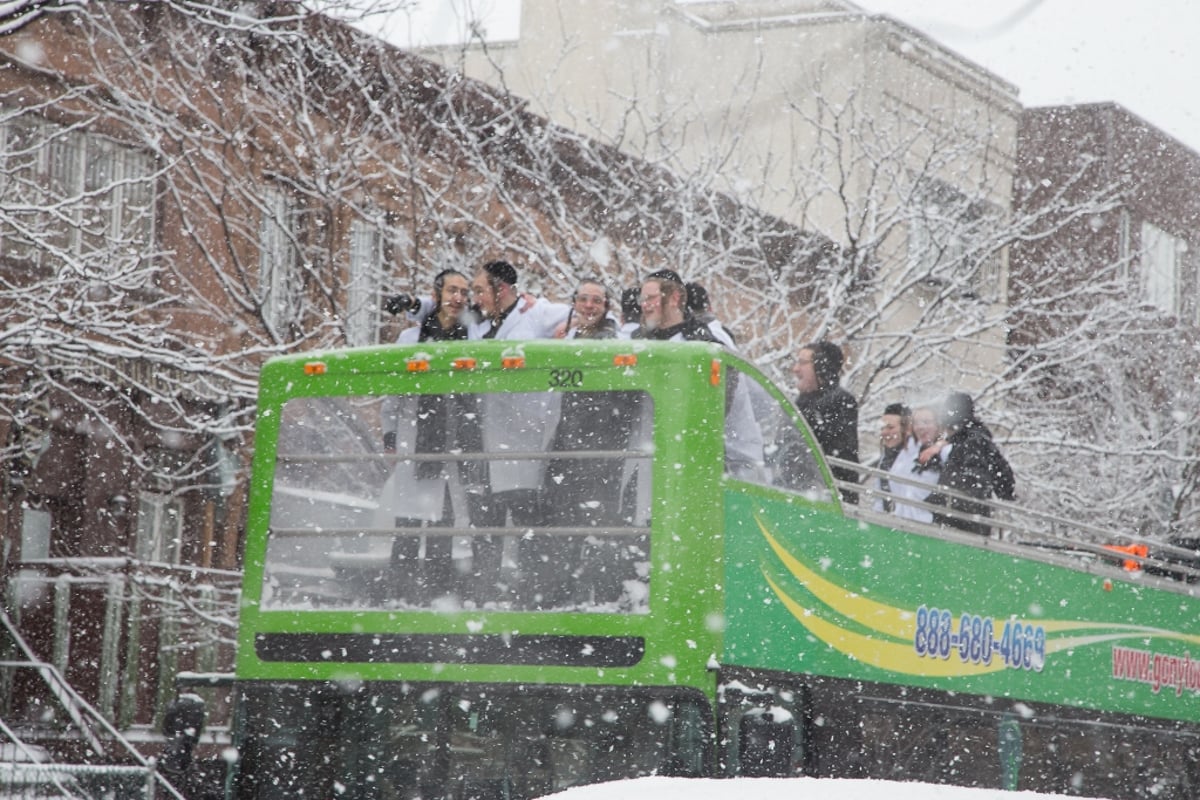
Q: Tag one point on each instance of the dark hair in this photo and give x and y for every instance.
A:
(671, 284)
(827, 362)
(957, 409)
(439, 282)
(501, 272)
(697, 298)
(897, 409)
(665, 275)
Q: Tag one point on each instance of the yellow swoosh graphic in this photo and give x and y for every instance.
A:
(891, 647)
(877, 616)
(893, 656)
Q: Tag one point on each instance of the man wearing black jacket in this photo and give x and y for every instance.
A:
(975, 466)
(830, 411)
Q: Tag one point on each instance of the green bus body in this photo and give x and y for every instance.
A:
(779, 633)
(882, 605)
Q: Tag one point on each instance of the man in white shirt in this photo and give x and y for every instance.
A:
(665, 318)
(503, 312)
(664, 311)
(511, 422)
(501, 315)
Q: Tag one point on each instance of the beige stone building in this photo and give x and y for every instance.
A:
(748, 89)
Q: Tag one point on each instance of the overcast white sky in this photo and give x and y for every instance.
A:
(1143, 55)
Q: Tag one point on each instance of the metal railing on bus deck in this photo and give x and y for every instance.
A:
(614, 531)
(1019, 529)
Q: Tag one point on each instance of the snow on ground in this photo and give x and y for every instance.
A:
(783, 789)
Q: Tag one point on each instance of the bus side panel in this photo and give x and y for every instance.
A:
(810, 591)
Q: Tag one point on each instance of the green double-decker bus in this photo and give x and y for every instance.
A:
(488, 569)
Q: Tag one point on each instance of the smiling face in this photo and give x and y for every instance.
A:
(481, 288)
(651, 301)
(891, 430)
(453, 298)
(925, 425)
(590, 304)
(662, 304)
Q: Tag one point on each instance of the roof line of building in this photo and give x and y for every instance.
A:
(933, 49)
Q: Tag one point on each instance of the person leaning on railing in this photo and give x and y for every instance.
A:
(974, 467)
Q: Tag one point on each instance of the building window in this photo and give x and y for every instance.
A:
(1161, 256)
(363, 283)
(159, 528)
(123, 216)
(66, 192)
(35, 533)
(279, 274)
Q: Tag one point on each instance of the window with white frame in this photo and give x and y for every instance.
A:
(1161, 260)
(23, 192)
(115, 173)
(35, 533)
(279, 279)
(363, 283)
(159, 528)
(68, 192)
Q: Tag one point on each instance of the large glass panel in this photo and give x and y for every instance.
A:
(405, 741)
(22, 186)
(1160, 268)
(136, 202)
(763, 443)
(101, 169)
(278, 278)
(743, 431)
(66, 150)
(534, 501)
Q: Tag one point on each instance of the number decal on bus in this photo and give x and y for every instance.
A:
(1020, 645)
(571, 378)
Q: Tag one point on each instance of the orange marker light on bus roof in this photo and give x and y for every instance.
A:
(512, 358)
(714, 376)
(625, 360)
(418, 365)
(464, 363)
(314, 368)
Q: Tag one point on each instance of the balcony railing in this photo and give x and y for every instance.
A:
(121, 631)
(53, 743)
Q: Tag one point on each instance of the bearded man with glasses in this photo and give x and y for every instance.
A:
(664, 315)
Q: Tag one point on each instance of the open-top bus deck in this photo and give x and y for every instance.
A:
(493, 570)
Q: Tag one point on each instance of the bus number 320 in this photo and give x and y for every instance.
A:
(1020, 645)
(566, 377)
